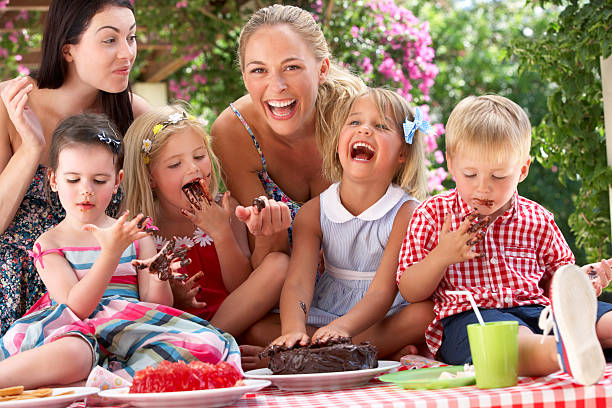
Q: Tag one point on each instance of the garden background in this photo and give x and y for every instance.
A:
(544, 55)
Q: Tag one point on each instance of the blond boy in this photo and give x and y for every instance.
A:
(505, 250)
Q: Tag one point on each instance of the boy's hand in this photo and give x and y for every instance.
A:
(185, 292)
(290, 339)
(600, 274)
(120, 235)
(329, 332)
(458, 246)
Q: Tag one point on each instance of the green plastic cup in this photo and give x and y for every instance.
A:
(494, 348)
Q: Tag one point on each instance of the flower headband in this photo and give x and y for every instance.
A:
(173, 119)
(410, 128)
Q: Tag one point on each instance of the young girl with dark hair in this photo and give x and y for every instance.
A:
(104, 306)
(88, 50)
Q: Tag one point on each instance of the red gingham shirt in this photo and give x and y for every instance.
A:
(523, 248)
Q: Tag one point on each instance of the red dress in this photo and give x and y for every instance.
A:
(204, 258)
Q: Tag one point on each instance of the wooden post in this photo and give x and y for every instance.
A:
(606, 83)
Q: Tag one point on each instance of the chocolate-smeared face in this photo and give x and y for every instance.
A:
(196, 193)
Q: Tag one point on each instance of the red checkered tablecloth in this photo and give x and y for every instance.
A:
(552, 391)
(556, 391)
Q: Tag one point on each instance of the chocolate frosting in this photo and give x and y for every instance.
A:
(321, 358)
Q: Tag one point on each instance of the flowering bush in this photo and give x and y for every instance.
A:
(16, 40)
(380, 40)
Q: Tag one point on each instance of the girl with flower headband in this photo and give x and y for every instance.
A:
(104, 307)
(376, 162)
(167, 150)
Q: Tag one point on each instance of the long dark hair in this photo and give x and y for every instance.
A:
(66, 21)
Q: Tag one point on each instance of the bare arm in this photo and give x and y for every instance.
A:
(382, 291)
(17, 168)
(150, 287)
(82, 296)
(240, 163)
(300, 283)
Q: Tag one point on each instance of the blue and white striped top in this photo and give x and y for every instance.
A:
(352, 248)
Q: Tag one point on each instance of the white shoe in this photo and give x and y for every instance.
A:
(573, 318)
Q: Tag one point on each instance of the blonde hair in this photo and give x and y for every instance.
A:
(140, 197)
(339, 85)
(489, 126)
(411, 175)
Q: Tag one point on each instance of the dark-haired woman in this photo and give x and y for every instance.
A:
(88, 50)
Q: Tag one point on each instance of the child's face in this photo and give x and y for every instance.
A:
(369, 145)
(85, 187)
(183, 159)
(480, 181)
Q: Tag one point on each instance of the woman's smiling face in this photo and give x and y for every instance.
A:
(282, 77)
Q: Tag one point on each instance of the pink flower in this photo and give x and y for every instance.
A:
(181, 4)
(23, 70)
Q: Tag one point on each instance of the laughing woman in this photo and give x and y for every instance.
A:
(267, 140)
(88, 49)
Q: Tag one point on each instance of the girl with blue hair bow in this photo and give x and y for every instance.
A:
(377, 165)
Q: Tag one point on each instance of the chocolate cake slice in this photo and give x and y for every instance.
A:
(333, 356)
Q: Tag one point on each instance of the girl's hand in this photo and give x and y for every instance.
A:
(600, 275)
(165, 263)
(329, 332)
(211, 217)
(185, 293)
(273, 218)
(290, 339)
(458, 246)
(15, 97)
(120, 235)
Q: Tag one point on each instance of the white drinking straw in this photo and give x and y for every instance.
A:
(472, 302)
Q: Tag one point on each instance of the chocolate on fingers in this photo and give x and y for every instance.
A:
(160, 265)
(196, 192)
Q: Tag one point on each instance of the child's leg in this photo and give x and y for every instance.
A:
(252, 300)
(262, 332)
(536, 359)
(63, 361)
(396, 332)
(604, 325)
(573, 320)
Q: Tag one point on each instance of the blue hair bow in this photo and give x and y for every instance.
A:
(419, 124)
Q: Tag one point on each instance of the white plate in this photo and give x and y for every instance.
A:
(201, 399)
(322, 381)
(59, 401)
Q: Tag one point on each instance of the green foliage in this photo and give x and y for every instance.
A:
(571, 136)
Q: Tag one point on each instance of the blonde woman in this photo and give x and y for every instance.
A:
(266, 141)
